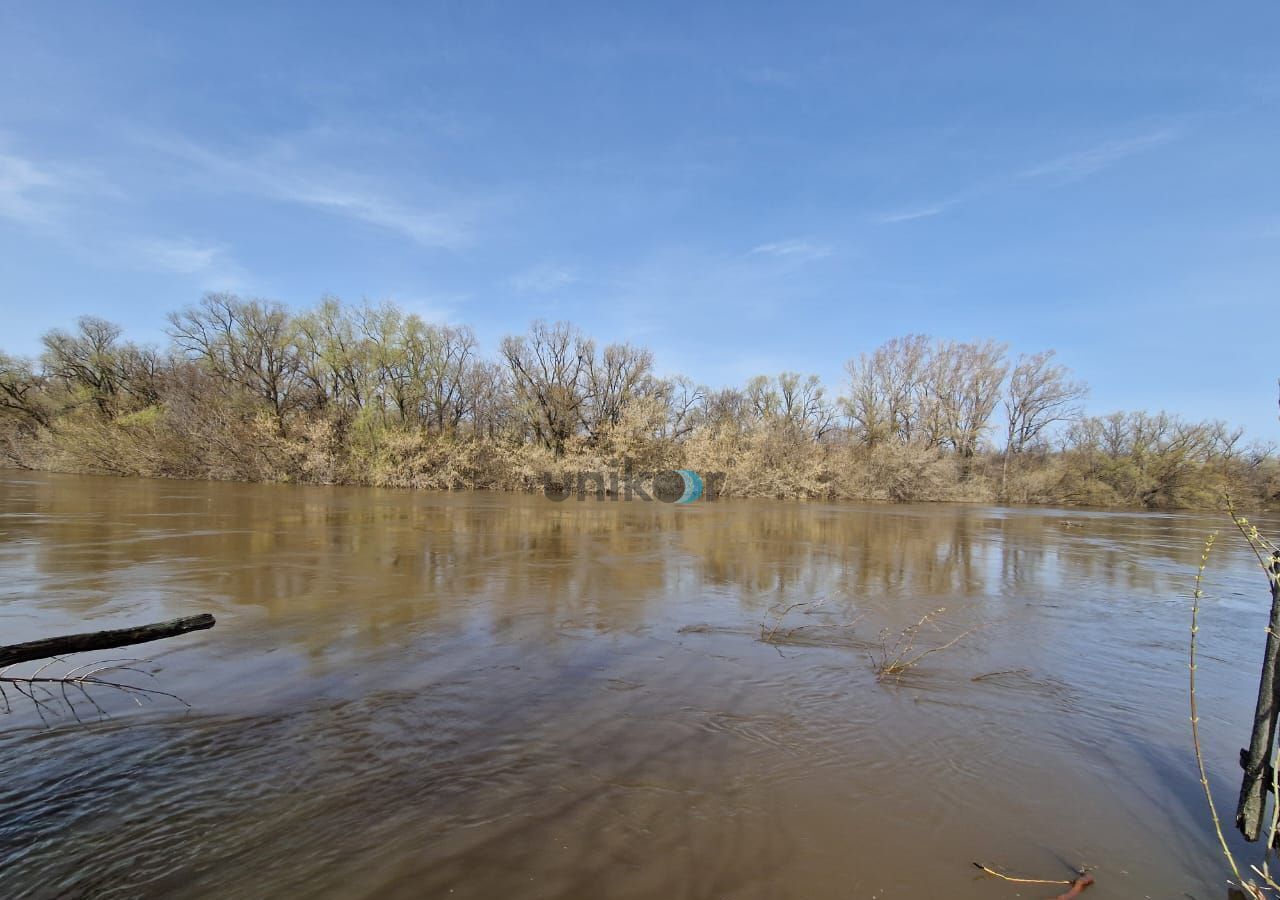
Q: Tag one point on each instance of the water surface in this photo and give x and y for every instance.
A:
(477, 695)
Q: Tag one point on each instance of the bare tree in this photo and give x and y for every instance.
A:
(791, 402)
(802, 404)
(964, 383)
(620, 375)
(86, 360)
(761, 399)
(447, 356)
(491, 412)
(141, 371)
(887, 397)
(249, 343)
(22, 390)
(725, 408)
(1039, 393)
(549, 373)
(684, 400)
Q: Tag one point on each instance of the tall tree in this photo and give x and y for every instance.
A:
(249, 343)
(887, 399)
(549, 374)
(86, 360)
(620, 375)
(964, 382)
(1039, 393)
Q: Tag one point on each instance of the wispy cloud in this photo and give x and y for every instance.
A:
(180, 256)
(1084, 163)
(431, 229)
(1066, 168)
(211, 266)
(909, 215)
(543, 278)
(27, 191)
(441, 309)
(281, 173)
(61, 201)
(797, 249)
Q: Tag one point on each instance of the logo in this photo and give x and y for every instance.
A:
(692, 486)
(681, 486)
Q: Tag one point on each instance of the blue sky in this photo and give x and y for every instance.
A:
(743, 188)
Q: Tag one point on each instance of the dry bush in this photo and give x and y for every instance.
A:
(315, 452)
(715, 449)
(137, 443)
(637, 436)
(417, 459)
(781, 464)
(904, 473)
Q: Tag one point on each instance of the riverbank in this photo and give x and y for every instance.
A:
(253, 391)
(759, 464)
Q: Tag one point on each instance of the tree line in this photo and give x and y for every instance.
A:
(370, 394)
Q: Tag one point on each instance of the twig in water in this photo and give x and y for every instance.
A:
(81, 678)
(1076, 885)
(775, 634)
(1016, 880)
(986, 675)
(898, 658)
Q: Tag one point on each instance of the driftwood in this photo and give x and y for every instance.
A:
(1256, 759)
(48, 648)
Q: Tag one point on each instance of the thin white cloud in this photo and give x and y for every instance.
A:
(913, 214)
(281, 174)
(180, 256)
(794, 249)
(26, 191)
(431, 229)
(1065, 168)
(43, 196)
(440, 309)
(1084, 163)
(543, 278)
(210, 266)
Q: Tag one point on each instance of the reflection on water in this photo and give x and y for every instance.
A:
(475, 695)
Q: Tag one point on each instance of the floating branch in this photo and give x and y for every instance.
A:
(73, 683)
(1076, 885)
(48, 648)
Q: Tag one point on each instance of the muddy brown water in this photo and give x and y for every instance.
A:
(478, 695)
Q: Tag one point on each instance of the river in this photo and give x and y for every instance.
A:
(413, 694)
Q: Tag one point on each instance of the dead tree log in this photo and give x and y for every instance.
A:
(1256, 759)
(47, 648)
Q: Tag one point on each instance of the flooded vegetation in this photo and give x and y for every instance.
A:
(480, 695)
